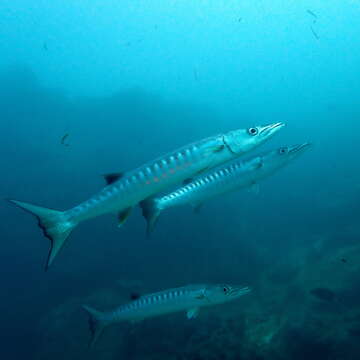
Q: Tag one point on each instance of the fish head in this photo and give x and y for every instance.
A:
(220, 293)
(243, 140)
(278, 158)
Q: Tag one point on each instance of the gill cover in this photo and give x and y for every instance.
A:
(242, 140)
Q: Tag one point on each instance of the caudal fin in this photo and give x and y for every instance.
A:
(97, 323)
(54, 225)
(151, 211)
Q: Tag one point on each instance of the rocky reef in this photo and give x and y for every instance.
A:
(304, 309)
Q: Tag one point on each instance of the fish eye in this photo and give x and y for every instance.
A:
(253, 131)
(283, 151)
(225, 289)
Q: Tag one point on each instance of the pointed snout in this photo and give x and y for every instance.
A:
(240, 290)
(271, 129)
(300, 148)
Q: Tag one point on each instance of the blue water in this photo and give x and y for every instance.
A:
(131, 80)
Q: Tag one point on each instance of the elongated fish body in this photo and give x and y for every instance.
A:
(229, 178)
(187, 298)
(225, 179)
(152, 177)
(125, 191)
(160, 303)
(165, 171)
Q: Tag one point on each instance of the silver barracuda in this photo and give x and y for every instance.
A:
(228, 178)
(126, 190)
(187, 298)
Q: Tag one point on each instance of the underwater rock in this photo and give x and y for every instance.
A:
(279, 321)
(66, 334)
(323, 294)
(354, 332)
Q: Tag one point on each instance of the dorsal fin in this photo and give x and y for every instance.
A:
(187, 181)
(135, 296)
(111, 178)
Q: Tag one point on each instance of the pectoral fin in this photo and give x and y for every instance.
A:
(215, 149)
(192, 313)
(123, 215)
(218, 148)
(197, 207)
(255, 189)
(256, 163)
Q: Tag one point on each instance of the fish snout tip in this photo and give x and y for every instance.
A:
(305, 146)
(279, 124)
(243, 290)
(272, 128)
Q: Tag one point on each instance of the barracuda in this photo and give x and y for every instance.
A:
(187, 298)
(229, 178)
(126, 190)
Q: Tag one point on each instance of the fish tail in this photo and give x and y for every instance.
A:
(55, 225)
(151, 210)
(97, 323)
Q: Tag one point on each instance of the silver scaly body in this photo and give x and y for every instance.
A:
(152, 177)
(159, 303)
(223, 180)
(124, 192)
(187, 298)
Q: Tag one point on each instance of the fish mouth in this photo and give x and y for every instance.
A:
(239, 291)
(271, 129)
(299, 148)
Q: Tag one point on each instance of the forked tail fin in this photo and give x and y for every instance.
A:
(151, 211)
(97, 323)
(54, 225)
